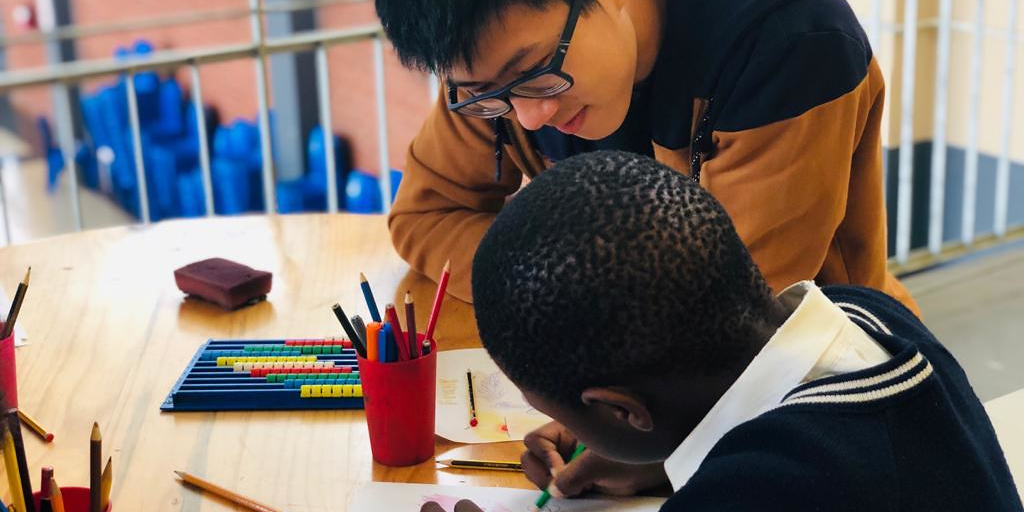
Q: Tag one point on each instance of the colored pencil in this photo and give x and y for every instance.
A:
(106, 481)
(19, 298)
(396, 330)
(410, 326)
(360, 326)
(368, 295)
(13, 473)
(35, 427)
(56, 497)
(233, 497)
(491, 465)
(546, 495)
(373, 341)
(45, 492)
(345, 324)
(472, 400)
(435, 311)
(95, 468)
(19, 451)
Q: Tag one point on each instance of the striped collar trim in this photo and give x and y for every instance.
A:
(873, 388)
(860, 387)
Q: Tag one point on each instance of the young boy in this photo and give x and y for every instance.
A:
(617, 295)
(774, 107)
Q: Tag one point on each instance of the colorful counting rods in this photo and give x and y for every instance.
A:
(329, 391)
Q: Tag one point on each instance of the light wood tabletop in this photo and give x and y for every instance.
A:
(110, 333)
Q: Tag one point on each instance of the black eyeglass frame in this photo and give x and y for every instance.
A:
(552, 68)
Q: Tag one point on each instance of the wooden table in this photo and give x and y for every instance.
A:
(1007, 415)
(110, 333)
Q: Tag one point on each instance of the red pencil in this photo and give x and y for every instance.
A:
(442, 285)
(396, 327)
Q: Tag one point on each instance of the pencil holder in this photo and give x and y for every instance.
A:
(8, 372)
(76, 499)
(399, 402)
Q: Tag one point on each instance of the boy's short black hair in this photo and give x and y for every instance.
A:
(609, 266)
(434, 35)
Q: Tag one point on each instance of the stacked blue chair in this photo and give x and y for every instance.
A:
(170, 148)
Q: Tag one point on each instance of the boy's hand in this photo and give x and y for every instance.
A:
(461, 506)
(550, 446)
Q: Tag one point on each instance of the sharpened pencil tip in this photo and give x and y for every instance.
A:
(447, 266)
(181, 474)
(408, 297)
(362, 278)
(96, 432)
(28, 274)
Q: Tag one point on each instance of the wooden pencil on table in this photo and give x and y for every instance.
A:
(210, 487)
(95, 468)
(14, 425)
(19, 298)
(435, 311)
(106, 480)
(410, 326)
(35, 427)
(491, 465)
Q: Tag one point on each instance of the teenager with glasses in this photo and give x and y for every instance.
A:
(773, 106)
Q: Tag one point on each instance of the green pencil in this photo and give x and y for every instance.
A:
(546, 496)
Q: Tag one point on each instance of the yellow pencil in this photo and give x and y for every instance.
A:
(13, 475)
(105, 482)
(213, 488)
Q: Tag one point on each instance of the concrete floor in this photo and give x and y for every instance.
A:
(975, 307)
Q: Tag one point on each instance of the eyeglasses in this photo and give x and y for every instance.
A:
(545, 82)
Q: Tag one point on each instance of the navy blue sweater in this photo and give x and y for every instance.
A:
(908, 435)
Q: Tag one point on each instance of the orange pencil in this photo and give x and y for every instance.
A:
(442, 285)
(224, 493)
(56, 497)
(372, 340)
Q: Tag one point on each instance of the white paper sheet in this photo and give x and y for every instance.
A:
(502, 413)
(20, 336)
(377, 496)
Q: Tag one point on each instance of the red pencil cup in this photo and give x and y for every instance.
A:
(8, 372)
(399, 402)
(76, 499)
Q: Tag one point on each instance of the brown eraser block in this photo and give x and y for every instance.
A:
(225, 283)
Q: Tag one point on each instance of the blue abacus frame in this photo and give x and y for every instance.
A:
(242, 392)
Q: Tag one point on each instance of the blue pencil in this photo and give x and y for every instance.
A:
(368, 295)
(383, 355)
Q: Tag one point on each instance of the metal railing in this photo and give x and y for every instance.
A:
(906, 258)
(938, 248)
(62, 76)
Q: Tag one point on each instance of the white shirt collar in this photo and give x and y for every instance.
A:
(816, 341)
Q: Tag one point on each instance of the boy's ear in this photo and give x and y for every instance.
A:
(619, 404)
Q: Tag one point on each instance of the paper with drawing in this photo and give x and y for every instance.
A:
(377, 496)
(502, 413)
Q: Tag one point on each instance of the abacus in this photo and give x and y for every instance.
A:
(253, 375)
